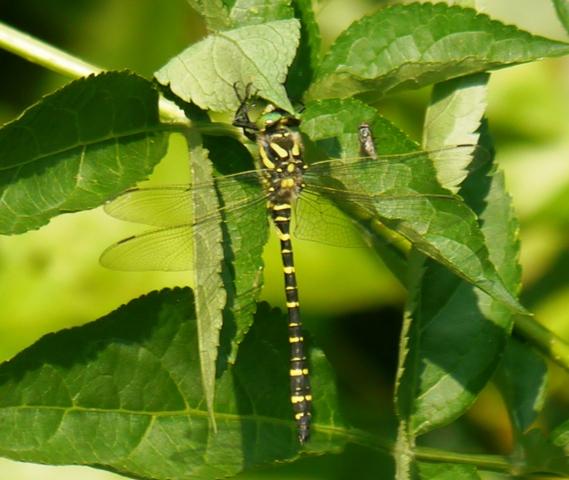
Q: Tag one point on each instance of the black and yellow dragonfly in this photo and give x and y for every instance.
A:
(383, 186)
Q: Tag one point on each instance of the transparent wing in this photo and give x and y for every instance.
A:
(343, 195)
(409, 173)
(318, 219)
(171, 205)
(168, 249)
(160, 206)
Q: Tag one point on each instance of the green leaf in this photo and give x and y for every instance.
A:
(205, 72)
(446, 471)
(562, 9)
(409, 46)
(208, 254)
(452, 343)
(453, 117)
(334, 127)
(541, 454)
(522, 380)
(77, 148)
(429, 387)
(442, 228)
(253, 12)
(124, 394)
(214, 12)
(560, 436)
(245, 236)
(307, 56)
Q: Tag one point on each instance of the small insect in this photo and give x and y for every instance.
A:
(378, 184)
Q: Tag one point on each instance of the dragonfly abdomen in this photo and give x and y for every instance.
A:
(300, 394)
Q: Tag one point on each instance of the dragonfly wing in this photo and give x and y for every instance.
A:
(160, 206)
(318, 219)
(167, 249)
(393, 174)
(172, 205)
(171, 248)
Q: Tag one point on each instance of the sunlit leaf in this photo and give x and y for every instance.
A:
(214, 12)
(210, 296)
(442, 228)
(453, 117)
(78, 147)
(408, 46)
(257, 54)
(245, 235)
(253, 12)
(454, 334)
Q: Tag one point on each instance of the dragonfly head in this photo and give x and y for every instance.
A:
(274, 118)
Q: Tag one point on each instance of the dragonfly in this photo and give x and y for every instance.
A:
(380, 185)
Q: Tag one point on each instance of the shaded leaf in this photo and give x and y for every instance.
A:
(522, 380)
(409, 46)
(562, 9)
(209, 290)
(123, 393)
(214, 12)
(253, 12)
(307, 56)
(543, 455)
(425, 323)
(454, 335)
(443, 228)
(245, 235)
(256, 54)
(560, 436)
(77, 148)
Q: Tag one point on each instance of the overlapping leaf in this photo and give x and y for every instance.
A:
(522, 379)
(408, 46)
(260, 55)
(245, 236)
(438, 384)
(78, 147)
(254, 12)
(124, 394)
(214, 12)
(210, 296)
(442, 228)
(307, 57)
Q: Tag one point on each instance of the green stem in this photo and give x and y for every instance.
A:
(40, 53)
(550, 344)
(494, 463)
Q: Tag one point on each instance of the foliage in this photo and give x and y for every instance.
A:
(192, 383)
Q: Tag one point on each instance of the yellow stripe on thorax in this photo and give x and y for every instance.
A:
(266, 160)
(280, 151)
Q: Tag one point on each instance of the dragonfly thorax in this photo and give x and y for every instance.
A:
(280, 150)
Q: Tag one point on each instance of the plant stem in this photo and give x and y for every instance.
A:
(41, 53)
(494, 463)
(550, 344)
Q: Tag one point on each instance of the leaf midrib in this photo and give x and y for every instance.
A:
(161, 128)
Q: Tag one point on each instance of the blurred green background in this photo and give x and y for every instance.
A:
(50, 279)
